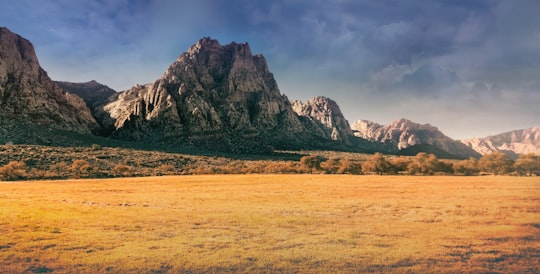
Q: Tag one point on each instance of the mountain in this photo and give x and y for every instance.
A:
(403, 134)
(95, 95)
(323, 116)
(214, 96)
(512, 143)
(30, 100)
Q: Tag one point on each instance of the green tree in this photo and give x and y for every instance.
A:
(495, 163)
(376, 163)
(528, 164)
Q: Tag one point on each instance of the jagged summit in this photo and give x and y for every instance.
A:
(211, 92)
(213, 96)
(512, 143)
(325, 118)
(29, 97)
(404, 133)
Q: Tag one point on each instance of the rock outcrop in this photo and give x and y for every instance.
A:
(323, 117)
(216, 96)
(28, 97)
(403, 134)
(512, 143)
(95, 95)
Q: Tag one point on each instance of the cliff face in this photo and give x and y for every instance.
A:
(403, 134)
(512, 143)
(213, 95)
(29, 97)
(323, 116)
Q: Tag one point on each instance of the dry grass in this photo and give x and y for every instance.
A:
(271, 223)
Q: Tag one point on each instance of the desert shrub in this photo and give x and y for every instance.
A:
(80, 168)
(166, 169)
(280, 167)
(495, 163)
(311, 162)
(376, 164)
(528, 164)
(331, 166)
(122, 170)
(399, 164)
(424, 163)
(466, 167)
(14, 170)
(347, 166)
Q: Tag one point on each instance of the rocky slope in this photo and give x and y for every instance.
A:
(215, 96)
(323, 116)
(95, 95)
(30, 99)
(403, 134)
(512, 143)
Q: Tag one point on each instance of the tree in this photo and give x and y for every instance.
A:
(528, 164)
(495, 163)
(346, 166)
(399, 164)
(311, 162)
(424, 163)
(14, 170)
(376, 163)
(331, 165)
(466, 167)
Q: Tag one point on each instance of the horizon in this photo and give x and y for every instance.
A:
(468, 68)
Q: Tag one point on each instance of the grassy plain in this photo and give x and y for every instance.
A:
(271, 223)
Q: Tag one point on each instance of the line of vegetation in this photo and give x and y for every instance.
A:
(25, 162)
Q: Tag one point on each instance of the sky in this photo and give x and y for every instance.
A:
(469, 67)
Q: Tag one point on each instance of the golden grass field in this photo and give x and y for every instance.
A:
(272, 223)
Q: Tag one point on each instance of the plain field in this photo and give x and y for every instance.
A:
(272, 223)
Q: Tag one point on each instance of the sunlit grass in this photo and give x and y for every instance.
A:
(272, 223)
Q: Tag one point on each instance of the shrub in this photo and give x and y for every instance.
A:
(377, 164)
(311, 162)
(14, 170)
(122, 170)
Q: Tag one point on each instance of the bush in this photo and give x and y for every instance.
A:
(14, 170)
(122, 170)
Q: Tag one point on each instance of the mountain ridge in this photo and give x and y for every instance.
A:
(403, 133)
(213, 96)
(512, 142)
(29, 97)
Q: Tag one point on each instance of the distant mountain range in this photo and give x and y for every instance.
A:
(512, 143)
(404, 134)
(213, 97)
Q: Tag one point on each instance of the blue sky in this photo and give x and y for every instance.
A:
(471, 67)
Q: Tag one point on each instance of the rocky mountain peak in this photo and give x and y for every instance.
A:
(327, 116)
(404, 133)
(512, 143)
(365, 129)
(210, 92)
(18, 55)
(29, 96)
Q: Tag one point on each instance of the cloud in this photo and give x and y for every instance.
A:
(376, 58)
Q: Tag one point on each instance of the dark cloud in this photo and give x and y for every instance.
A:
(381, 59)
